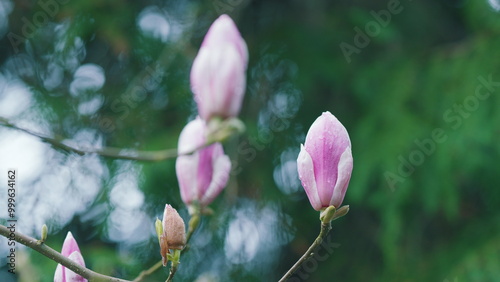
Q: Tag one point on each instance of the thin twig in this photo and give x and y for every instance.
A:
(109, 152)
(45, 250)
(176, 256)
(173, 270)
(148, 272)
(325, 228)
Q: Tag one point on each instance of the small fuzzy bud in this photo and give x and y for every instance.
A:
(174, 233)
(43, 238)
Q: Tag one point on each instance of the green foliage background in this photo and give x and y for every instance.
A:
(439, 223)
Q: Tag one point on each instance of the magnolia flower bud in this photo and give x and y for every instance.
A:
(70, 249)
(203, 174)
(325, 162)
(218, 75)
(174, 233)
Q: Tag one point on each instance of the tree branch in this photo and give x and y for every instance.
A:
(57, 257)
(109, 152)
(149, 271)
(325, 228)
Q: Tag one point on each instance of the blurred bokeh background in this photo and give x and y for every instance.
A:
(415, 83)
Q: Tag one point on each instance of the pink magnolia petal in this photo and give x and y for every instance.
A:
(224, 30)
(221, 169)
(192, 136)
(231, 83)
(201, 77)
(70, 275)
(69, 245)
(344, 173)
(185, 168)
(205, 169)
(218, 81)
(59, 274)
(305, 169)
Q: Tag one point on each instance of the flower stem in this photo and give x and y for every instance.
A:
(173, 269)
(175, 263)
(325, 228)
(192, 225)
(45, 250)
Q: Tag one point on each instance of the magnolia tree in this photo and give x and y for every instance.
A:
(218, 81)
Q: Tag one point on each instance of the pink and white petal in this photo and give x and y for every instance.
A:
(186, 170)
(305, 168)
(344, 176)
(224, 30)
(218, 81)
(70, 245)
(205, 169)
(211, 82)
(237, 80)
(59, 274)
(222, 168)
(201, 77)
(192, 136)
(320, 145)
(230, 83)
(70, 275)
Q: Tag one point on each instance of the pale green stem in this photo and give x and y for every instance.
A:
(149, 271)
(175, 263)
(325, 228)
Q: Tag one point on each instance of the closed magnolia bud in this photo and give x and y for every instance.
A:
(325, 162)
(70, 249)
(218, 75)
(174, 232)
(203, 174)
